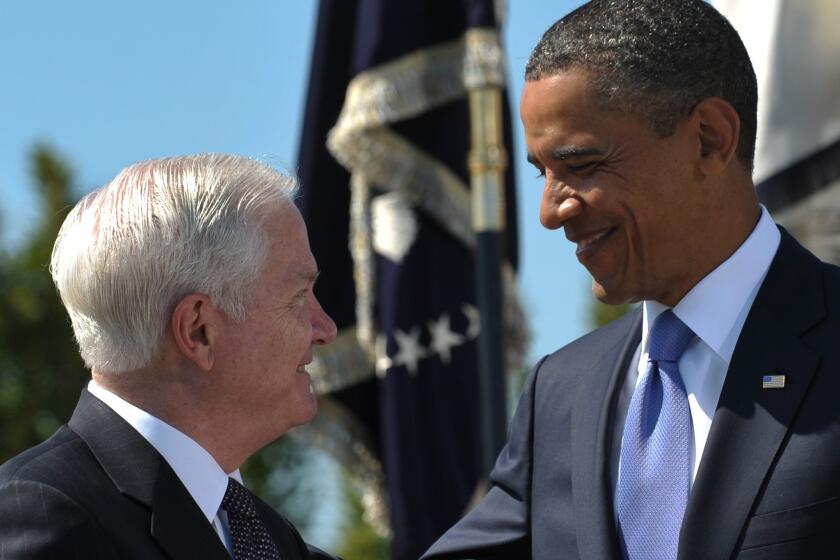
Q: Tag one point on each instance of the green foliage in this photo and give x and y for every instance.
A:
(41, 372)
(359, 539)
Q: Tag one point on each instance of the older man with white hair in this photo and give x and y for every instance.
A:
(189, 283)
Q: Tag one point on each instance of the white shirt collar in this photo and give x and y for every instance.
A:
(198, 471)
(713, 307)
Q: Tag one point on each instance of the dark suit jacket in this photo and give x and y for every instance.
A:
(97, 489)
(768, 486)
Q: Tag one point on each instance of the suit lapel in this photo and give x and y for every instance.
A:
(592, 430)
(128, 459)
(139, 472)
(750, 422)
(178, 524)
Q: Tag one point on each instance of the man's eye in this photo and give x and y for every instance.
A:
(583, 167)
(540, 174)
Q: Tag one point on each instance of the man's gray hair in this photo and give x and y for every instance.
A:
(160, 230)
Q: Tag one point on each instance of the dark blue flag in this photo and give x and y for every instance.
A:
(385, 194)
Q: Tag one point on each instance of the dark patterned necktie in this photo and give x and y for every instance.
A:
(655, 476)
(251, 540)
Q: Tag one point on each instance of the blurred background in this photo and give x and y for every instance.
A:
(89, 87)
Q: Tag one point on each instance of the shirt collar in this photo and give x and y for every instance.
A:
(713, 307)
(198, 471)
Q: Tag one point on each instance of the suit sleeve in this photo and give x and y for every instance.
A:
(500, 527)
(40, 522)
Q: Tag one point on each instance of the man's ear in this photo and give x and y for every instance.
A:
(194, 326)
(718, 131)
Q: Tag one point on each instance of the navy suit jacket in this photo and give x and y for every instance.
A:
(97, 489)
(768, 485)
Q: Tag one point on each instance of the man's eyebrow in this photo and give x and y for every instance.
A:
(566, 152)
(308, 276)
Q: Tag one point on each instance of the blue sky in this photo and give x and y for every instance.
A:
(108, 84)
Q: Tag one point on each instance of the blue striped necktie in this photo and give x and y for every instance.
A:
(655, 475)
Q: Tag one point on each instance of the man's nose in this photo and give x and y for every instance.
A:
(557, 209)
(323, 327)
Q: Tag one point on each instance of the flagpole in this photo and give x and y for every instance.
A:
(487, 163)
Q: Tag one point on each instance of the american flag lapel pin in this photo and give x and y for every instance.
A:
(773, 382)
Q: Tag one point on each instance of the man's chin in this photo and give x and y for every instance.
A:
(610, 295)
(312, 407)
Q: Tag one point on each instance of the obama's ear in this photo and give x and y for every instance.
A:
(718, 129)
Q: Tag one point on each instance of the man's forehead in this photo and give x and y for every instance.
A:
(289, 252)
(563, 120)
(559, 99)
(575, 81)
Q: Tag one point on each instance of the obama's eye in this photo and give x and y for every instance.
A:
(583, 167)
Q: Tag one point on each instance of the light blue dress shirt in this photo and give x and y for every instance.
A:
(715, 309)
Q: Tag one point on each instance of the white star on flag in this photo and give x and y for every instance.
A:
(443, 338)
(409, 349)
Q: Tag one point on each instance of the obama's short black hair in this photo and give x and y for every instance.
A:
(654, 59)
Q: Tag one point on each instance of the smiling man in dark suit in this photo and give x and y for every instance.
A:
(705, 424)
(189, 285)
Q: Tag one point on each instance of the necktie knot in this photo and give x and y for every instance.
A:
(669, 338)
(237, 500)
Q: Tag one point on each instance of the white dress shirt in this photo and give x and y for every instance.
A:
(715, 309)
(198, 471)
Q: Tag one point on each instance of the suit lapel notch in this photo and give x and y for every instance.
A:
(592, 440)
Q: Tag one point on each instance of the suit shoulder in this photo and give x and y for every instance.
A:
(40, 521)
(831, 276)
(49, 461)
(831, 290)
(593, 343)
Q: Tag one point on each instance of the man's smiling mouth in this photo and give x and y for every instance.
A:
(588, 244)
